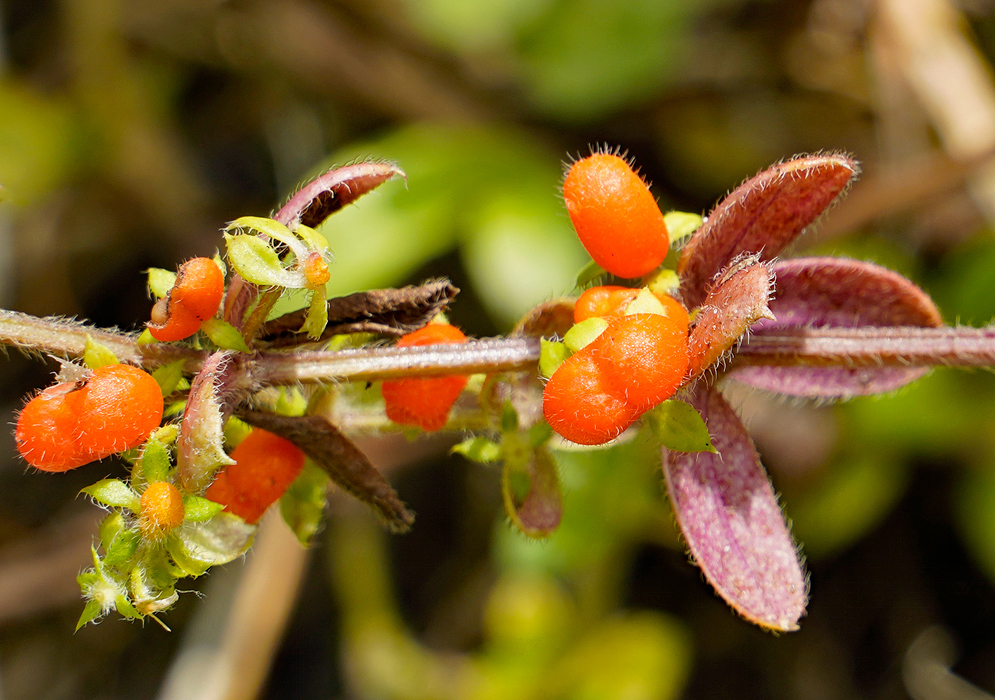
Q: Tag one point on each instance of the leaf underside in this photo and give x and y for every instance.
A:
(732, 523)
(734, 304)
(835, 292)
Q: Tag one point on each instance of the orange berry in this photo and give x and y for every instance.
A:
(117, 408)
(583, 405)
(615, 215)
(194, 298)
(161, 509)
(603, 302)
(199, 287)
(265, 467)
(172, 321)
(675, 310)
(645, 356)
(48, 430)
(425, 403)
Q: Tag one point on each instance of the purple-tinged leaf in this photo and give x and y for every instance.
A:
(834, 292)
(732, 523)
(338, 457)
(762, 216)
(532, 495)
(326, 194)
(738, 299)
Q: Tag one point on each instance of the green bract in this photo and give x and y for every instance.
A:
(679, 427)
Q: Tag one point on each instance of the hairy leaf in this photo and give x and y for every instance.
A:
(345, 463)
(326, 194)
(762, 216)
(834, 292)
(391, 312)
(736, 302)
(532, 493)
(200, 445)
(732, 523)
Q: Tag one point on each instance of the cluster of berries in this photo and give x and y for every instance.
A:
(73, 423)
(640, 357)
(117, 407)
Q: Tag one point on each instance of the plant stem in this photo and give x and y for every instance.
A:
(871, 347)
(848, 347)
(65, 338)
(372, 364)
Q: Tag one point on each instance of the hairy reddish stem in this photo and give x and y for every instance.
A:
(372, 364)
(902, 346)
(813, 347)
(65, 338)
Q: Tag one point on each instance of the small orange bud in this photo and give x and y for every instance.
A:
(581, 404)
(316, 270)
(161, 509)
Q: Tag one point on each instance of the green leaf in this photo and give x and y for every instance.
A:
(224, 335)
(168, 376)
(589, 273)
(160, 281)
(681, 224)
(551, 355)
(122, 547)
(155, 460)
(125, 608)
(92, 611)
(303, 504)
(258, 263)
(679, 427)
(313, 239)
(509, 418)
(539, 434)
(200, 449)
(197, 548)
(114, 493)
(584, 333)
(145, 338)
(665, 281)
(645, 303)
(97, 355)
(109, 529)
(317, 314)
(197, 509)
(478, 449)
